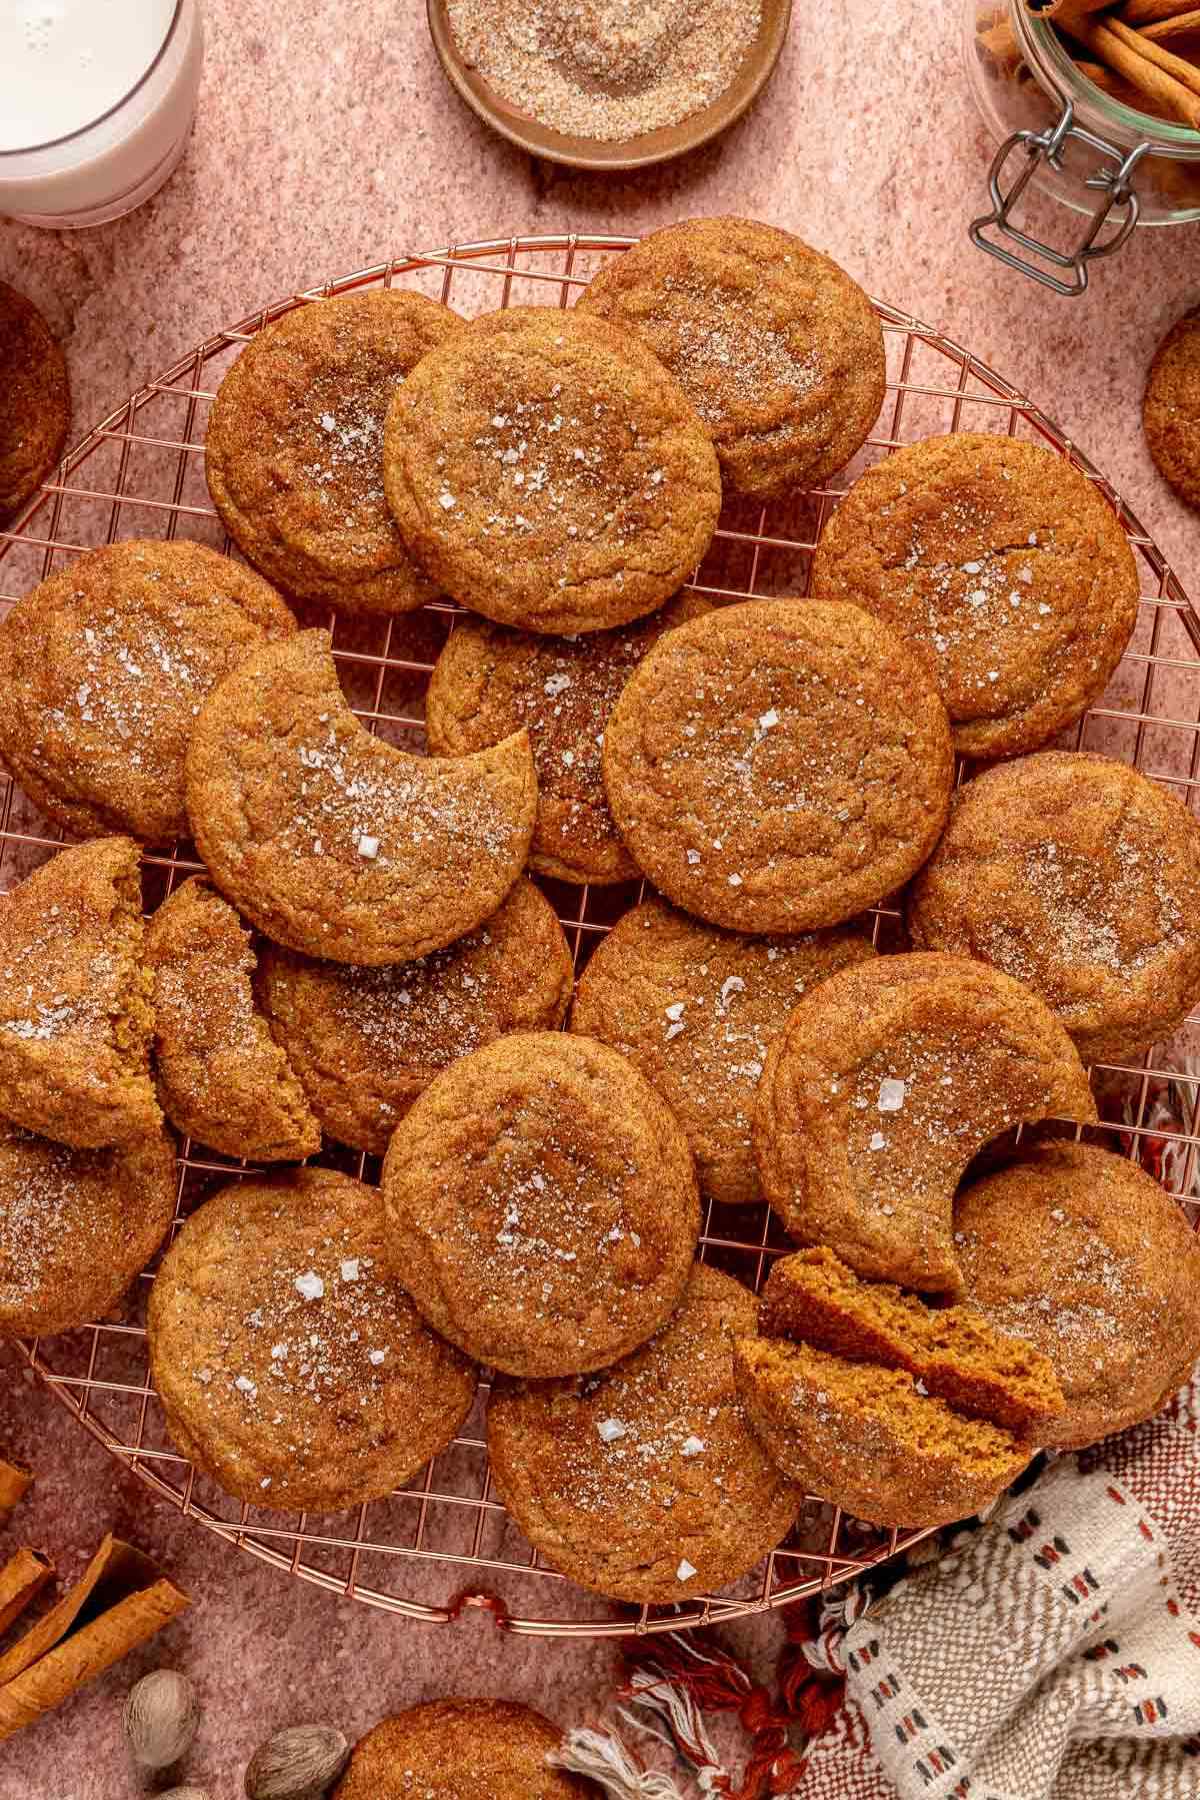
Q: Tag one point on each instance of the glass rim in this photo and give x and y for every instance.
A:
(1057, 62)
(82, 130)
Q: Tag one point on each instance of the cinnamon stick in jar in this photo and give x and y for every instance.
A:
(1062, 12)
(1168, 81)
(1153, 12)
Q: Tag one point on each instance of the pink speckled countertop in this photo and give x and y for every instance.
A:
(333, 143)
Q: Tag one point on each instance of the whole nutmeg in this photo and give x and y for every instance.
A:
(161, 1716)
(301, 1763)
(185, 1793)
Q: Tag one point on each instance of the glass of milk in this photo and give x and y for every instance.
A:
(97, 99)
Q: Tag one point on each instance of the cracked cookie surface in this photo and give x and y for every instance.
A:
(544, 468)
(542, 1205)
(779, 351)
(779, 765)
(294, 453)
(333, 842)
(104, 667)
(645, 1482)
(461, 1750)
(1003, 567)
(37, 400)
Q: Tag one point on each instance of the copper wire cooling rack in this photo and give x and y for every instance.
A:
(445, 1542)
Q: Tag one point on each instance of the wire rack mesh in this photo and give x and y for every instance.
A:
(444, 1542)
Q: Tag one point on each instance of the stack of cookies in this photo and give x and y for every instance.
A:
(370, 962)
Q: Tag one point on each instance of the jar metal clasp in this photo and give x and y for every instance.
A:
(1112, 181)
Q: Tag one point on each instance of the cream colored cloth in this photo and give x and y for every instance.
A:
(1054, 1655)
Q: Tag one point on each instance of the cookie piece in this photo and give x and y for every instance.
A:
(779, 765)
(1005, 570)
(1081, 878)
(541, 1203)
(76, 1226)
(37, 400)
(365, 1042)
(103, 668)
(697, 1009)
(951, 1352)
(645, 1482)
(76, 1017)
(886, 1081)
(1083, 1255)
(1171, 409)
(461, 1750)
(779, 351)
(291, 1366)
(489, 682)
(865, 1439)
(222, 1079)
(546, 471)
(294, 452)
(335, 843)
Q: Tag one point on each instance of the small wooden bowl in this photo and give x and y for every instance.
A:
(630, 153)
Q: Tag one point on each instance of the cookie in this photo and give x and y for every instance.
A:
(103, 669)
(1171, 409)
(1005, 570)
(1081, 878)
(76, 1226)
(867, 1440)
(1083, 1255)
(365, 1042)
(76, 1017)
(697, 1009)
(461, 1750)
(37, 400)
(489, 682)
(886, 1081)
(541, 1203)
(294, 452)
(779, 351)
(951, 1351)
(335, 843)
(291, 1366)
(546, 471)
(645, 1482)
(779, 765)
(222, 1079)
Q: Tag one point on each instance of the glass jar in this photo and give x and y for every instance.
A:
(1059, 132)
(112, 86)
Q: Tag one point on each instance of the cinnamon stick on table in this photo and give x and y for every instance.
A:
(14, 1482)
(1154, 72)
(121, 1600)
(21, 1579)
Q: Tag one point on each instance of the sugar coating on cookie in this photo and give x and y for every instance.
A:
(1085, 1256)
(222, 1078)
(1006, 571)
(1171, 411)
(77, 1226)
(335, 843)
(104, 667)
(542, 1206)
(365, 1042)
(294, 452)
(779, 351)
(697, 1009)
(644, 1482)
(868, 1440)
(37, 400)
(779, 765)
(489, 682)
(547, 472)
(76, 1015)
(461, 1750)
(291, 1365)
(1081, 878)
(887, 1080)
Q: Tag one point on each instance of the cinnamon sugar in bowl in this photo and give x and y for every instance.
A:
(596, 85)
